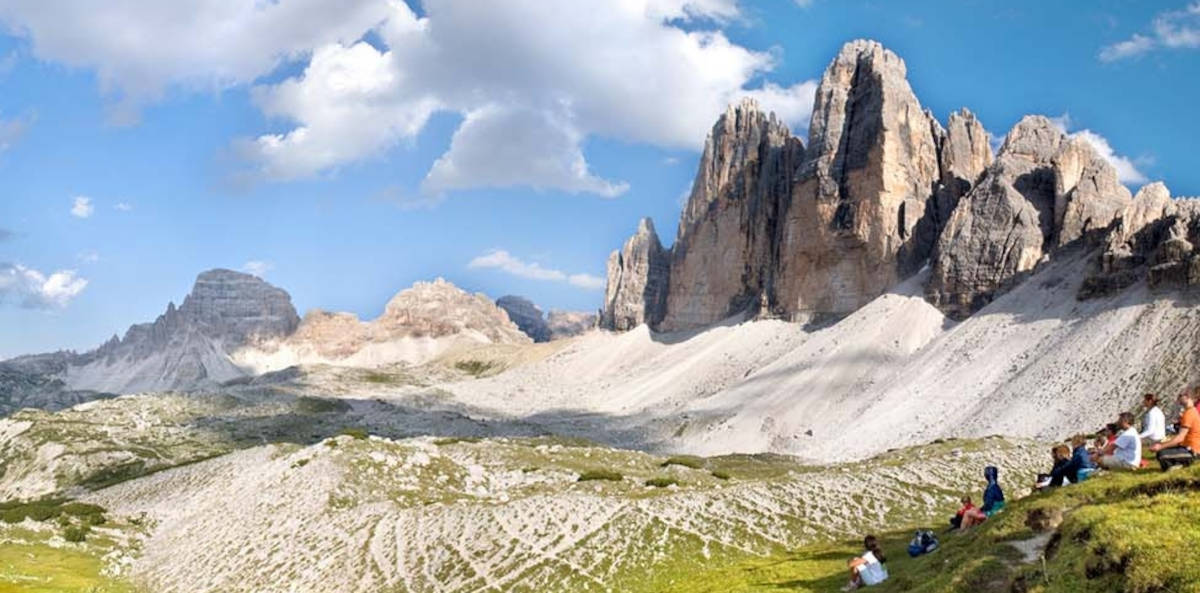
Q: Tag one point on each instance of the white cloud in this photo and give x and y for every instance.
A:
(534, 151)
(140, 48)
(123, 206)
(34, 290)
(81, 207)
(587, 281)
(89, 256)
(499, 259)
(1173, 29)
(1134, 46)
(11, 131)
(258, 267)
(1127, 171)
(531, 94)
(406, 200)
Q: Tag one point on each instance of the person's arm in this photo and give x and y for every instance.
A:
(1147, 425)
(1173, 441)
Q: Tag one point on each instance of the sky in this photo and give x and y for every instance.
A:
(344, 150)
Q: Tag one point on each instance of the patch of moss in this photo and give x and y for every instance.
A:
(475, 368)
(355, 433)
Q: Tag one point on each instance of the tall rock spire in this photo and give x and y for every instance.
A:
(857, 220)
(724, 250)
(638, 275)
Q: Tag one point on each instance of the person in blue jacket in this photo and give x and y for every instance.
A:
(993, 499)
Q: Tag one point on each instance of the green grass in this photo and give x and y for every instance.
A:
(1129, 533)
(685, 461)
(39, 568)
(354, 433)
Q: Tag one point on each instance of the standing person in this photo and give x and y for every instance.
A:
(1181, 449)
(1127, 448)
(1154, 423)
(867, 569)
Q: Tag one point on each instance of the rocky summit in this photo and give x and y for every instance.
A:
(776, 229)
(544, 327)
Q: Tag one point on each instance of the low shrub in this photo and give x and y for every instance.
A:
(76, 533)
(720, 475)
(600, 474)
(662, 482)
(474, 367)
(356, 433)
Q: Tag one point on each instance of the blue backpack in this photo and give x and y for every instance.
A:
(923, 542)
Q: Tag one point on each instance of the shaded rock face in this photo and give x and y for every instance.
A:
(1043, 191)
(724, 252)
(528, 317)
(638, 276)
(858, 217)
(1154, 238)
(963, 154)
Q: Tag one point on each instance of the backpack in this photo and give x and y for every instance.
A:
(923, 542)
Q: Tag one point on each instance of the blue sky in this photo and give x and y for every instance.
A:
(345, 150)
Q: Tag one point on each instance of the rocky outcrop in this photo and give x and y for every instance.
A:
(724, 251)
(1043, 191)
(568, 324)
(544, 327)
(638, 276)
(528, 317)
(858, 219)
(963, 154)
(189, 346)
(1154, 238)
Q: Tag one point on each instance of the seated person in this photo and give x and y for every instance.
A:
(1081, 465)
(1104, 443)
(1180, 450)
(1062, 460)
(993, 499)
(967, 506)
(867, 569)
(1126, 449)
(1154, 423)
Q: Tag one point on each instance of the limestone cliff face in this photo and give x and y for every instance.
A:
(963, 154)
(725, 247)
(638, 276)
(857, 220)
(1154, 238)
(1043, 191)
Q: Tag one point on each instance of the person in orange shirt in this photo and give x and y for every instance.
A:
(1181, 449)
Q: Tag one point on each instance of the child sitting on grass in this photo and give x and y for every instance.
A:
(867, 569)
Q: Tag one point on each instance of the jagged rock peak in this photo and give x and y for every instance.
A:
(858, 217)
(638, 275)
(723, 252)
(235, 307)
(1044, 191)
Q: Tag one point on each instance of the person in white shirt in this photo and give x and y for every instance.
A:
(1127, 450)
(1154, 424)
(867, 569)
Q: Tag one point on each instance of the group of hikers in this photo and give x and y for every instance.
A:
(1117, 447)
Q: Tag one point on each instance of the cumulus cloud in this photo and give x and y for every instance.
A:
(646, 71)
(1173, 29)
(89, 256)
(123, 206)
(258, 267)
(140, 48)
(1127, 171)
(32, 289)
(81, 207)
(499, 259)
